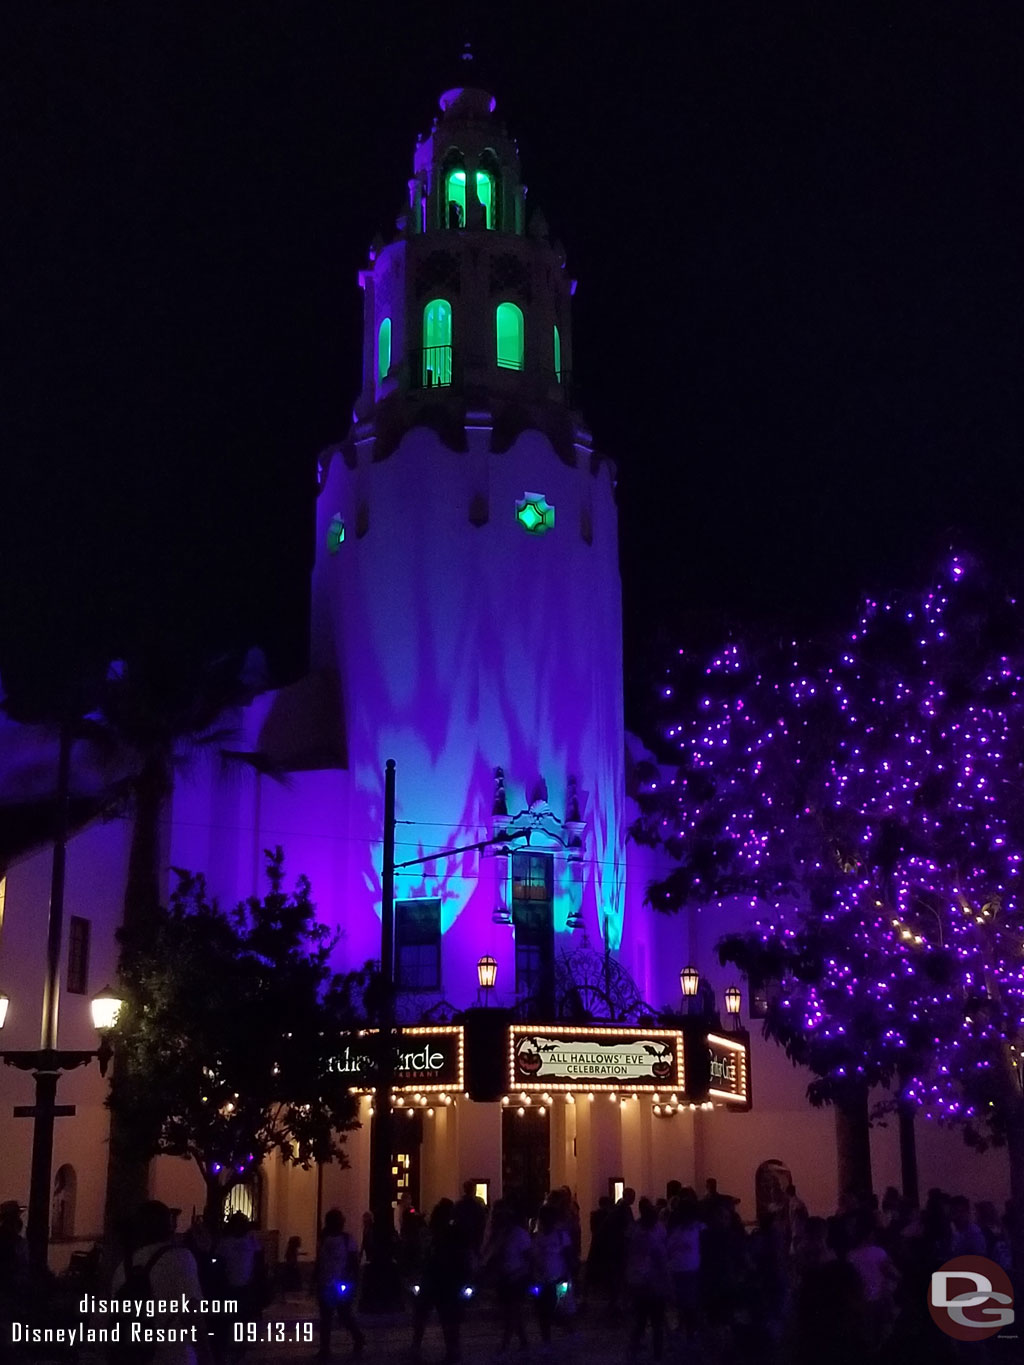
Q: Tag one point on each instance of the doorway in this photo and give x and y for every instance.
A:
(525, 1156)
(406, 1155)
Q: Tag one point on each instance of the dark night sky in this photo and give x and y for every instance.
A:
(798, 231)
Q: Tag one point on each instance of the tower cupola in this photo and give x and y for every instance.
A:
(467, 306)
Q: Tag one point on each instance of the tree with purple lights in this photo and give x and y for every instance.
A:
(865, 795)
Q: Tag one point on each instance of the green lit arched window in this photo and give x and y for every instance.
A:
(485, 193)
(437, 343)
(558, 354)
(509, 321)
(455, 199)
(384, 349)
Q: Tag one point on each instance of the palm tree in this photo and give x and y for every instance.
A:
(162, 707)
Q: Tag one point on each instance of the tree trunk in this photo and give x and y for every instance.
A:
(907, 1114)
(127, 1169)
(853, 1144)
(1013, 1108)
(213, 1209)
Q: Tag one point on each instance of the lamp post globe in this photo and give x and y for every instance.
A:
(689, 980)
(105, 1006)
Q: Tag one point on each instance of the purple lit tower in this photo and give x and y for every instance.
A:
(466, 594)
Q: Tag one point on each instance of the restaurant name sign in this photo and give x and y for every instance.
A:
(729, 1068)
(567, 1058)
(425, 1058)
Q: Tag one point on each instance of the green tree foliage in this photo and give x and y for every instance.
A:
(231, 1018)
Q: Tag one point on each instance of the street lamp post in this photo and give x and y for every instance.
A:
(486, 975)
(47, 1065)
(47, 1062)
(733, 1000)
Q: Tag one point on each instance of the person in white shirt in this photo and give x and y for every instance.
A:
(239, 1274)
(172, 1275)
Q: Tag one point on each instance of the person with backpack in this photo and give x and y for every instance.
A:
(336, 1278)
(241, 1275)
(157, 1267)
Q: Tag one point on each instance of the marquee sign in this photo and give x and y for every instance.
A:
(729, 1070)
(426, 1058)
(568, 1058)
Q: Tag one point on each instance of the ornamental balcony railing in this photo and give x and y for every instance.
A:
(431, 368)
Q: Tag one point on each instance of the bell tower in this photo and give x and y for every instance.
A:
(466, 592)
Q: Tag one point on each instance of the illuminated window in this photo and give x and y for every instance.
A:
(78, 955)
(455, 199)
(533, 921)
(335, 533)
(246, 1197)
(418, 945)
(509, 324)
(535, 514)
(384, 350)
(437, 343)
(485, 194)
(558, 355)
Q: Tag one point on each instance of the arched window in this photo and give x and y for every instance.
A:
(383, 350)
(62, 1210)
(246, 1197)
(509, 321)
(455, 198)
(558, 355)
(485, 193)
(437, 343)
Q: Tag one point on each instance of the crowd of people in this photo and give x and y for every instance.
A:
(680, 1270)
(684, 1271)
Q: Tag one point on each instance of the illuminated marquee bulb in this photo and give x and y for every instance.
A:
(542, 1110)
(520, 1111)
(504, 1099)
(430, 1113)
(569, 1097)
(613, 1097)
(590, 1095)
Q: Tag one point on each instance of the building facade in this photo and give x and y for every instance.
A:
(467, 623)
